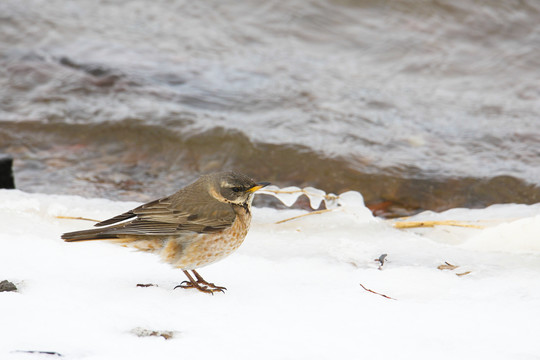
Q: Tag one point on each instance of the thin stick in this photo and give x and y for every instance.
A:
(299, 216)
(374, 292)
(38, 352)
(75, 218)
(415, 224)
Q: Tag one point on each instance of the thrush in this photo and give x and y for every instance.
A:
(198, 225)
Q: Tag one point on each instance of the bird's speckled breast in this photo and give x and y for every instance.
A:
(205, 249)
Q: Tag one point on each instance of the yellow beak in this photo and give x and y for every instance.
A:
(257, 187)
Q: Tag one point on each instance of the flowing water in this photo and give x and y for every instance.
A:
(424, 104)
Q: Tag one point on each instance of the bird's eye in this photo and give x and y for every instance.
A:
(236, 189)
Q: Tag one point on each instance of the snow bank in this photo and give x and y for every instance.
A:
(293, 288)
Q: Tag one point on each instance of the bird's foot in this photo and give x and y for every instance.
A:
(212, 285)
(200, 280)
(206, 287)
(194, 285)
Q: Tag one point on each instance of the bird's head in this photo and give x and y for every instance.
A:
(234, 188)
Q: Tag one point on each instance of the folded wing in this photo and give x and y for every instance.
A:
(184, 211)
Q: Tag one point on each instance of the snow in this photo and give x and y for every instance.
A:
(293, 288)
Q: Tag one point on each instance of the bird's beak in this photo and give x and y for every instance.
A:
(258, 186)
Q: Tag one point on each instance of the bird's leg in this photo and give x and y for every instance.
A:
(200, 280)
(193, 284)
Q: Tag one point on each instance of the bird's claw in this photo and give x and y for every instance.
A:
(199, 284)
(213, 286)
(205, 289)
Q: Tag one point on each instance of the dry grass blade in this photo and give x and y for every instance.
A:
(416, 224)
(76, 218)
(299, 216)
(447, 266)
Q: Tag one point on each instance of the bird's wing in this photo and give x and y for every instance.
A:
(172, 215)
(127, 215)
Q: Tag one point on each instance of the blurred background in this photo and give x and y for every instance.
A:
(417, 104)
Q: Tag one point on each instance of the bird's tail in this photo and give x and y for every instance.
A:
(87, 235)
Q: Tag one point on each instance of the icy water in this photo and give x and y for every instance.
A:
(424, 104)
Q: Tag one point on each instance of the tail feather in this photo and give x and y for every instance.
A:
(87, 235)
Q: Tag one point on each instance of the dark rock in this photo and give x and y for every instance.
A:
(7, 286)
(6, 173)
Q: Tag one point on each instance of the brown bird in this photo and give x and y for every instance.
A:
(198, 225)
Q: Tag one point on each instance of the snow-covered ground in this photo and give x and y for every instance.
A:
(294, 288)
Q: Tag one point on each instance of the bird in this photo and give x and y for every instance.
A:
(198, 225)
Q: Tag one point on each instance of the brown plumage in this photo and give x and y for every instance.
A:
(196, 226)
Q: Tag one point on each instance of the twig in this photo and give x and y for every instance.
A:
(299, 216)
(75, 218)
(38, 352)
(374, 292)
(414, 224)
